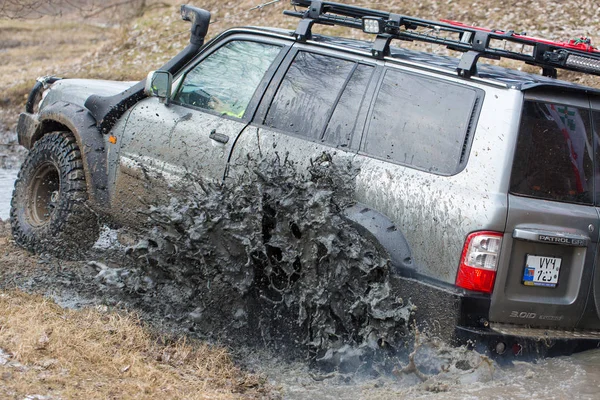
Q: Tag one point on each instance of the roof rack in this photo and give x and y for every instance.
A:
(475, 42)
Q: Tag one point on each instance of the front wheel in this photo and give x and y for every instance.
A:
(48, 209)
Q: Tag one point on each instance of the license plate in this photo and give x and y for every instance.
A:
(541, 271)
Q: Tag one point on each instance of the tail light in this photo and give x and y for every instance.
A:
(479, 261)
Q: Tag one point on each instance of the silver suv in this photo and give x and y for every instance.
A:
(478, 181)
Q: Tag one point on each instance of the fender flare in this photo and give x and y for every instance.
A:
(90, 141)
(383, 230)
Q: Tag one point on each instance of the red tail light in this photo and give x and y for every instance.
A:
(479, 261)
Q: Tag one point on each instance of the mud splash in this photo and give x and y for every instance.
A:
(110, 279)
(269, 257)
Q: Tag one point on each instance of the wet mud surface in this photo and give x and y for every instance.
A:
(269, 257)
(269, 266)
(7, 181)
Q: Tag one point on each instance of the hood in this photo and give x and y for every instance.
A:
(76, 91)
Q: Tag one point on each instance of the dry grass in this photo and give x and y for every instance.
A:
(33, 48)
(95, 354)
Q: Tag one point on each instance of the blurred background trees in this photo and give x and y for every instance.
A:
(20, 9)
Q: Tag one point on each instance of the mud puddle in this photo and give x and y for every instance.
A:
(555, 378)
(7, 181)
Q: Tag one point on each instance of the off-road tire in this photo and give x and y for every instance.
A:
(48, 208)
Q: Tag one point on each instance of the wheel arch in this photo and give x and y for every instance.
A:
(62, 116)
(48, 126)
(384, 233)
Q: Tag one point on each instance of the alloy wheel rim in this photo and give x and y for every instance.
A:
(44, 193)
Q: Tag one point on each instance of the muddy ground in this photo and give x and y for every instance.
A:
(103, 279)
(268, 259)
(266, 265)
(269, 268)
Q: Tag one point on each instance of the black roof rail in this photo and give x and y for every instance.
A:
(575, 55)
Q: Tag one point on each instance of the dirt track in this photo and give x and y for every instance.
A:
(455, 372)
(82, 284)
(297, 294)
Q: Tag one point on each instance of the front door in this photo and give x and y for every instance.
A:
(160, 145)
(214, 103)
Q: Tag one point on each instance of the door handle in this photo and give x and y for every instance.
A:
(542, 236)
(218, 137)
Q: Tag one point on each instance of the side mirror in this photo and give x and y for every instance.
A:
(158, 84)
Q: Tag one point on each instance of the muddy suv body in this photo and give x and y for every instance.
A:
(480, 186)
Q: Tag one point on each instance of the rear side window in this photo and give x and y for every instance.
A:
(596, 134)
(421, 122)
(554, 156)
(345, 117)
(304, 101)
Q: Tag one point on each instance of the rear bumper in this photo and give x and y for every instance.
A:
(461, 318)
(545, 334)
(507, 344)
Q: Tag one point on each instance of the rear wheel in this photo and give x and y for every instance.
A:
(48, 209)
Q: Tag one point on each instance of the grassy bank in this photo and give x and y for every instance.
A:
(49, 351)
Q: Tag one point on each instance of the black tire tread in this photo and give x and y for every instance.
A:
(73, 226)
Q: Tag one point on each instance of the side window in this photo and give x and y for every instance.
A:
(226, 80)
(596, 135)
(306, 96)
(420, 122)
(553, 159)
(345, 116)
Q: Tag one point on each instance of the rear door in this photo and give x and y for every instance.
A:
(591, 317)
(549, 247)
(312, 109)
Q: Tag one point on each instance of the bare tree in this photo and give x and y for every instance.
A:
(19, 9)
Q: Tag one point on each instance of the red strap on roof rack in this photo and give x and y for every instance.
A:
(474, 42)
(581, 44)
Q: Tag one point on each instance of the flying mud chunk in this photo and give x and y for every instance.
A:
(270, 257)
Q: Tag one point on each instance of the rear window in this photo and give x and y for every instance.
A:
(554, 155)
(421, 122)
(596, 134)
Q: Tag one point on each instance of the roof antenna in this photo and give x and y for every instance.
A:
(261, 6)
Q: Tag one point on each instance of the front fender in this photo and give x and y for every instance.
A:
(60, 116)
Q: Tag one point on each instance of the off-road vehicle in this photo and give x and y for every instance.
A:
(478, 181)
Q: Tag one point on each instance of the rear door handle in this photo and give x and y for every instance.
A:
(541, 236)
(218, 137)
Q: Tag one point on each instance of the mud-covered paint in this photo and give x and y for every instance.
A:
(434, 212)
(271, 254)
(76, 91)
